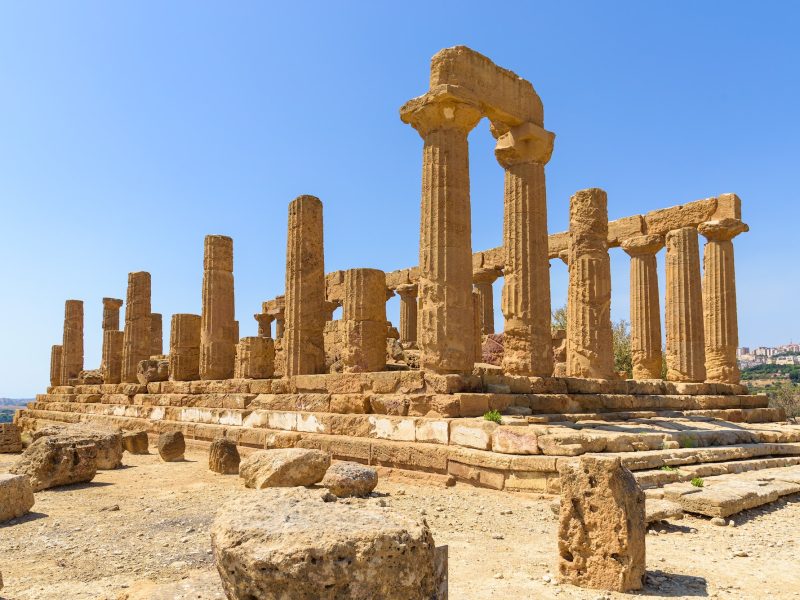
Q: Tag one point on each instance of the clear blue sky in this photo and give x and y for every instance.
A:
(128, 131)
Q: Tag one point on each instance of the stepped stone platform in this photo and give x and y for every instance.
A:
(420, 421)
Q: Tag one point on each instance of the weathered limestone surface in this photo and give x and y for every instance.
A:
(136, 341)
(589, 344)
(344, 479)
(223, 457)
(113, 341)
(445, 334)
(408, 311)
(107, 441)
(55, 365)
(156, 335)
(16, 496)
(363, 325)
(152, 369)
(684, 308)
(523, 152)
(290, 543)
(10, 438)
(602, 525)
(184, 347)
(255, 358)
(483, 280)
(51, 461)
(136, 442)
(286, 467)
(218, 335)
(477, 326)
(111, 308)
(72, 345)
(720, 323)
(171, 446)
(645, 313)
(305, 289)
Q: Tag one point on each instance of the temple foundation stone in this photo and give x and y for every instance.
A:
(136, 339)
(218, 334)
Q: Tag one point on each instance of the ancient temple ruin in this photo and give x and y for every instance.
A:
(414, 397)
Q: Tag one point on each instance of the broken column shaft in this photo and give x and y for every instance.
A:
(364, 321)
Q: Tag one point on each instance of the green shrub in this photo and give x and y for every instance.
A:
(668, 468)
(697, 482)
(493, 415)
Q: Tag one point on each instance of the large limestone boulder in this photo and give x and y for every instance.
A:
(136, 442)
(171, 446)
(108, 441)
(223, 457)
(602, 526)
(345, 479)
(152, 370)
(289, 543)
(16, 496)
(287, 467)
(56, 460)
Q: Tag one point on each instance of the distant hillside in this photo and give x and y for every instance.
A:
(6, 415)
(15, 401)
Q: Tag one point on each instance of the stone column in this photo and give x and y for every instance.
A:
(589, 342)
(264, 324)
(280, 324)
(255, 358)
(523, 152)
(113, 340)
(408, 311)
(305, 288)
(720, 322)
(684, 308)
(645, 312)
(55, 365)
(217, 329)
(111, 308)
(156, 335)
(72, 345)
(483, 280)
(136, 340)
(364, 321)
(477, 322)
(445, 334)
(184, 347)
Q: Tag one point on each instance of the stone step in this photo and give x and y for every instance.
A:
(661, 477)
(725, 495)
(679, 457)
(732, 415)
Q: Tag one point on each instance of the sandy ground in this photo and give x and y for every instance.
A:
(149, 523)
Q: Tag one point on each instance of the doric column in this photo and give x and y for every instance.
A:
(445, 254)
(72, 345)
(684, 309)
(217, 328)
(363, 324)
(156, 335)
(55, 365)
(408, 311)
(111, 308)
(483, 280)
(477, 322)
(589, 343)
(523, 152)
(720, 322)
(305, 288)
(136, 340)
(280, 324)
(111, 365)
(645, 312)
(184, 347)
(264, 324)
(255, 358)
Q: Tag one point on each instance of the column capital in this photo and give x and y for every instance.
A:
(407, 290)
(524, 144)
(443, 107)
(643, 245)
(112, 302)
(486, 275)
(564, 256)
(722, 230)
(264, 318)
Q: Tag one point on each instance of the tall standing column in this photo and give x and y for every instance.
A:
(477, 324)
(72, 345)
(408, 311)
(720, 320)
(156, 335)
(217, 330)
(523, 152)
(55, 365)
(483, 280)
(305, 288)
(136, 340)
(645, 313)
(684, 308)
(589, 342)
(111, 308)
(184, 347)
(445, 333)
(111, 365)
(363, 324)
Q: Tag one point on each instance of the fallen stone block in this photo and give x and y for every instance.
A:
(136, 442)
(171, 446)
(350, 479)
(10, 439)
(287, 467)
(152, 370)
(16, 496)
(54, 460)
(223, 457)
(662, 510)
(289, 543)
(107, 441)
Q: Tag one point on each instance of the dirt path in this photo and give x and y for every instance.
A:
(149, 522)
